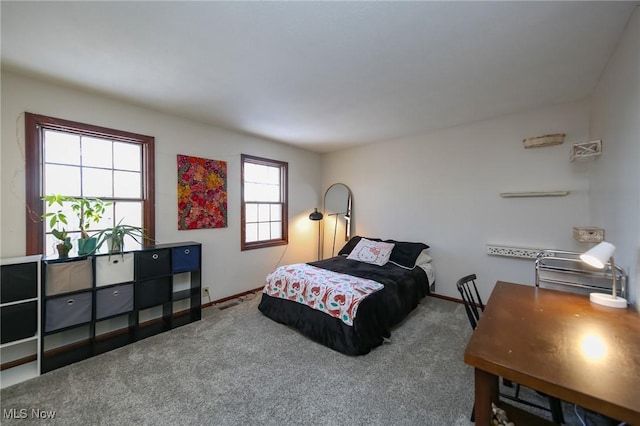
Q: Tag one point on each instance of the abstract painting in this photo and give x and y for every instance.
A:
(202, 193)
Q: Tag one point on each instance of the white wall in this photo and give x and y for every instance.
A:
(614, 201)
(226, 270)
(442, 189)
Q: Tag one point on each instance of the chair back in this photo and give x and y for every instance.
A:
(471, 298)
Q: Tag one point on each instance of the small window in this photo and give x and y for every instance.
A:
(264, 202)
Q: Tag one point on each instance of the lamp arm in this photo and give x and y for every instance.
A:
(613, 275)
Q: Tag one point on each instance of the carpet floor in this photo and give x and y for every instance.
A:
(237, 367)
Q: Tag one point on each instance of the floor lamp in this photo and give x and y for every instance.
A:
(317, 216)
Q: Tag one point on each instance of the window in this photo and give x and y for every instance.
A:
(81, 160)
(264, 202)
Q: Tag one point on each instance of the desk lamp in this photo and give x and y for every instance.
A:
(317, 216)
(598, 257)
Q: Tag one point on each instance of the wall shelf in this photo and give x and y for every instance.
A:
(523, 194)
(586, 150)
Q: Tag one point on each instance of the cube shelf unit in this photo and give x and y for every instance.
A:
(20, 316)
(94, 304)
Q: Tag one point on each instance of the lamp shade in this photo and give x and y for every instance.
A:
(599, 255)
(315, 215)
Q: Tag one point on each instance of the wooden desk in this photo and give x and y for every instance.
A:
(560, 344)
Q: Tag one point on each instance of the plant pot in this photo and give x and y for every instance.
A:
(63, 250)
(115, 245)
(87, 245)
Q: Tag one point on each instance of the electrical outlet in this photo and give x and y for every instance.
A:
(205, 291)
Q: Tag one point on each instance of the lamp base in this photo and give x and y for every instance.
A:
(608, 300)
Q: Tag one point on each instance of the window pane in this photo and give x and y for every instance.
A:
(68, 212)
(273, 176)
(96, 183)
(105, 222)
(127, 156)
(276, 212)
(50, 245)
(62, 180)
(96, 152)
(251, 233)
(263, 213)
(276, 230)
(251, 191)
(261, 192)
(251, 213)
(61, 147)
(255, 172)
(264, 231)
(129, 212)
(271, 193)
(127, 184)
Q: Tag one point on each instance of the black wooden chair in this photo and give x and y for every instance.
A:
(473, 306)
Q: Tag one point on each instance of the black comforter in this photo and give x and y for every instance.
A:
(377, 313)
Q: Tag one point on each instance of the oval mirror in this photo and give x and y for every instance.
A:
(337, 206)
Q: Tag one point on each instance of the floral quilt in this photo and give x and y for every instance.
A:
(330, 292)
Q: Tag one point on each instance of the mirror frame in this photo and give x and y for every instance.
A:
(348, 214)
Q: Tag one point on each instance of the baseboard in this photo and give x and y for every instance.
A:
(244, 293)
(226, 299)
(440, 296)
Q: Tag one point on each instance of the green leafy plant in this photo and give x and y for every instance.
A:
(88, 210)
(57, 219)
(117, 234)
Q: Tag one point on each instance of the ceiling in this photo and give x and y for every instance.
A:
(320, 75)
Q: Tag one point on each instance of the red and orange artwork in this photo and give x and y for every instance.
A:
(202, 193)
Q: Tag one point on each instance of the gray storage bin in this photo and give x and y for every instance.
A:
(64, 312)
(114, 300)
(68, 276)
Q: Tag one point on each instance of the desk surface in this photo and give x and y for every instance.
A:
(561, 344)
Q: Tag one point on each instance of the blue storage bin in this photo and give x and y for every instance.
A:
(185, 259)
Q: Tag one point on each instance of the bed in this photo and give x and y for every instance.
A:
(351, 302)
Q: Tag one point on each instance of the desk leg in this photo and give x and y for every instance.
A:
(486, 392)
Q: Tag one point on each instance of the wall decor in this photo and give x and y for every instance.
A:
(508, 251)
(586, 150)
(202, 193)
(588, 235)
(546, 140)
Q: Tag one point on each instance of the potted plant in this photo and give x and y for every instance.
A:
(114, 237)
(56, 221)
(88, 211)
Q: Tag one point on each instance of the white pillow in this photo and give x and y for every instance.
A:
(374, 252)
(423, 258)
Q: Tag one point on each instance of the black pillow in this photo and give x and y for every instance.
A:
(406, 253)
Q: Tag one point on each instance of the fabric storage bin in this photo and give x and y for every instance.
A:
(68, 276)
(114, 269)
(18, 282)
(185, 259)
(19, 321)
(153, 263)
(64, 312)
(114, 300)
(152, 292)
